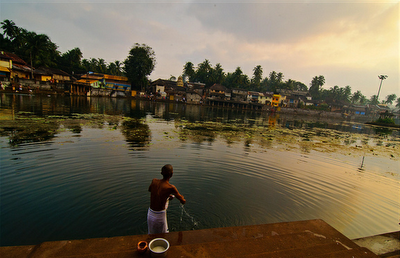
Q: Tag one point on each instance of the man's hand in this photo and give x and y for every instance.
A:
(183, 201)
(171, 196)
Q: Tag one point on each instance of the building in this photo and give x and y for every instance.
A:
(218, 92)
(98, 84)
(276, 100)
(51, 74)
(167, 89)
(239, 95)
(5, 67)
(17, 68)
(193, 97)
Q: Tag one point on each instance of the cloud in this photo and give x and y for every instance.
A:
(348, 43)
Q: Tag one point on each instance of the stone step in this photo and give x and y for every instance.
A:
(288, 245)
(359, 252)
(313, 238)
(317, 227)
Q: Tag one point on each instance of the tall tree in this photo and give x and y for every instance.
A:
(356, 97)
(115, 68)
(257, 77)
(188, 71)
(336, 93)
(139, 64)
(70, 61)
(102, 65)
(204, 72)
(390, 98)
(274, 81)
(118, 67)
(217, 74)
(300, 86)
(10, 30)
(316, 84)
(374, 100)
(237, 79)
(40, 51)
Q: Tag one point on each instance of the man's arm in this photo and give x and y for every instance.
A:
(178, 195)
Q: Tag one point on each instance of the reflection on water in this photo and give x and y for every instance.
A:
(76, 168)
(136, 133)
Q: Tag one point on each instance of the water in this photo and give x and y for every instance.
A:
(192, 223)
(74, 168)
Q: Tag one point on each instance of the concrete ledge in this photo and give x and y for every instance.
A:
(312, 238)
(385, 245)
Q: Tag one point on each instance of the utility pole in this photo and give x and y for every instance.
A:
(382, 77)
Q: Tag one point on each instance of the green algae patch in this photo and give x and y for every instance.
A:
(294, 139)
(307, 137)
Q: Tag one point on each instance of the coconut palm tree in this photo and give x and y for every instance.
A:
(39, 50)
(257, 77)
(390, 98)
(9, 29)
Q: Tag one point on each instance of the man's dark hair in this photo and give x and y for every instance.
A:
(167, 171)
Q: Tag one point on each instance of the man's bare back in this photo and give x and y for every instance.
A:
(161, 190)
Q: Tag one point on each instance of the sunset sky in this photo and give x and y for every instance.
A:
(348, 43)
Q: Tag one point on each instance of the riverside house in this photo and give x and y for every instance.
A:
(98, 84)
(13, 68)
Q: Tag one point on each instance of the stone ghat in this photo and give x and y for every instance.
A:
(311, 238)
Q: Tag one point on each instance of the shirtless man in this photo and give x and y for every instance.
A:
(161, 192)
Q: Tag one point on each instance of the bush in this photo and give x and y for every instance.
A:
(386, 120)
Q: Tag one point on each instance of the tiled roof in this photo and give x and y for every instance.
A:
(50, 71)
(218, 87)
(21, 67)
(14, 58)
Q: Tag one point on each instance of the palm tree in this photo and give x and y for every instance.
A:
(118, 67)
(101, 66)
(218, 74)
(203, 73)
(9, 29)
(374, 100)
(188, 71)
(316, 83)
(40, 50)
(356, 97)
(390, 98)
(257, 77)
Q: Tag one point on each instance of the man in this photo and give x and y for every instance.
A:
(161, 192)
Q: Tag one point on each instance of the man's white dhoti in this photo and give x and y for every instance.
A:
(157, 221)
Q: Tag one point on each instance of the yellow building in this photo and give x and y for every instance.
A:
(5, 66)
(276, 100)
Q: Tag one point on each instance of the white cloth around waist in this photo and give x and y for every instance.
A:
(157, 221)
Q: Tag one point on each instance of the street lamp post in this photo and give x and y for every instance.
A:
(382, 77)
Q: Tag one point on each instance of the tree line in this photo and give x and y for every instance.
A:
(206, 73)
(39, 51)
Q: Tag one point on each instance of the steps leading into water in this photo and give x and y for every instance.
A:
(312, 238)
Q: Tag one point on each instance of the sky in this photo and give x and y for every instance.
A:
(350, 43)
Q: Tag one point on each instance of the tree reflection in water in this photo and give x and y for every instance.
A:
(137, 133)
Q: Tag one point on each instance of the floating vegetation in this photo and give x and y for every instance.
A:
(307, 137)
(136, 132)
(319, 138)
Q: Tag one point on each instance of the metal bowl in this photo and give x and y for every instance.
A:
(158, 247)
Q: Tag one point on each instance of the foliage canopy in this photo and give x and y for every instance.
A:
(139, 64)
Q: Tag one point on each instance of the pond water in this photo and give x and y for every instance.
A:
(74, 168)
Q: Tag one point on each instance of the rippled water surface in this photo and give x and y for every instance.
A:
(76, 168)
